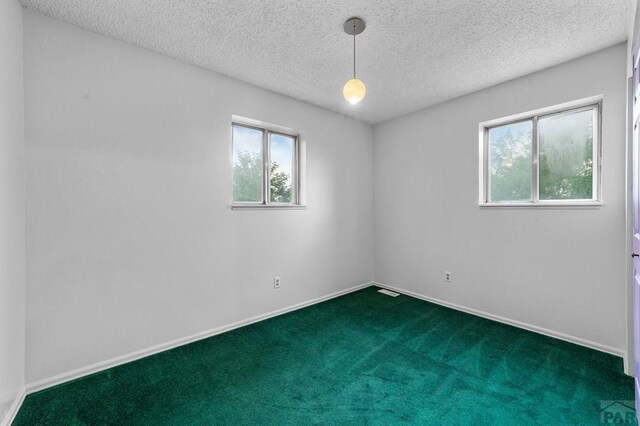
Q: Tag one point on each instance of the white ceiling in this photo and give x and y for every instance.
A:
(413, 54)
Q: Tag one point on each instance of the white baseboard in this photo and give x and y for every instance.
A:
(13, 410)
(123, 359)
(519, 324)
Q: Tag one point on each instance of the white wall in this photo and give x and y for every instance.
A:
(557, 269)
(130, 238)
(12, 251)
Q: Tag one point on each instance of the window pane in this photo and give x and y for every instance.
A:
(510, 162)
(247, 164)
(282, 164)
(566, 156)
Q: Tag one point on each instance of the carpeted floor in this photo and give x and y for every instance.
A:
(364, 358)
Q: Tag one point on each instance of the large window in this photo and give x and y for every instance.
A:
(548, 158)
(265, 167)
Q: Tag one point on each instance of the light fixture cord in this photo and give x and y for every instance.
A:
(354, 48)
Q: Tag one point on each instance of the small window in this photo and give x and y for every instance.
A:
(550, 158)
(265, 167)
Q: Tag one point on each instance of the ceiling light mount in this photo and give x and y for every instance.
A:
(354, 26)
(354, 89)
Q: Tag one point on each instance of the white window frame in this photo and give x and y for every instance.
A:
(593, 103)
(268, 130)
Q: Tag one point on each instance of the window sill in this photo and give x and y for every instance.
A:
(551, 204)
(268, 207)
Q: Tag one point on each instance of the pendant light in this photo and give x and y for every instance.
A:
(354, 89)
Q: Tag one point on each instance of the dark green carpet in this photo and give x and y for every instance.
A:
(364, 358)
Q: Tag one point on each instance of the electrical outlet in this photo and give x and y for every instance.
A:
(276, 282)
(447, 276)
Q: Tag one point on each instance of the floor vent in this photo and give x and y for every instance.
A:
(389, 292)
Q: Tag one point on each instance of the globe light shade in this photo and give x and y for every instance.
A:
(354, 91)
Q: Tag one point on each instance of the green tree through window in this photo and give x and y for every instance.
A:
(247, 180)
(249, 173)
(511, 162)
(566, 157)
(280, 185)
(247, 177)
(562, 144)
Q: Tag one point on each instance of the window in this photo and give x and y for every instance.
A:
(265, 167)
(547, 158)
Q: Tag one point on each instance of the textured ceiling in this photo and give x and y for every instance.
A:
(413, 54)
